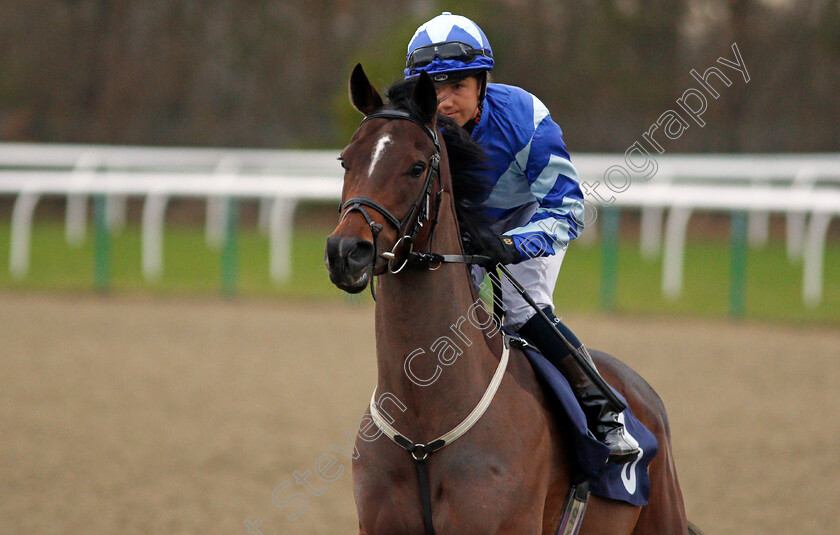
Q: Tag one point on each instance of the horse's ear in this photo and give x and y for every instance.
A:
(363, 95)
(425, 97)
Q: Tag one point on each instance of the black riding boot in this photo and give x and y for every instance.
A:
(601, 417)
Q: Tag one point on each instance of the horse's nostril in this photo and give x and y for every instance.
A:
(361, 254)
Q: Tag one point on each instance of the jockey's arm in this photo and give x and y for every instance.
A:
(553, 181)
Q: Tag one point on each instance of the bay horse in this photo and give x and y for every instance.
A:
(510, 473)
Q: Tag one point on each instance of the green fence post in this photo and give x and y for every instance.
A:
(230, 250)
(101, 244)
(738, 264)
(609, 256)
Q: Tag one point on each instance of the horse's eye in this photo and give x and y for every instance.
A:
(343, 163)
(417, 170)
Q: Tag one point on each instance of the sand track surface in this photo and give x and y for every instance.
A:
(140, 416)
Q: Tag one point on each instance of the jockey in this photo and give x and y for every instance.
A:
(535, 205)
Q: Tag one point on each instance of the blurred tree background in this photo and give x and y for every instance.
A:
(273, 73)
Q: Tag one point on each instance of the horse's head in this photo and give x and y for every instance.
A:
(391, 166)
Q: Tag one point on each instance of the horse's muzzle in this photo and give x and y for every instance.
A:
(348, 261)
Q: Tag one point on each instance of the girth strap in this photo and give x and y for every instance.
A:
(574, 509)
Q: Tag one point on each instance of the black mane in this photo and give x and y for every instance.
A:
(467, 160)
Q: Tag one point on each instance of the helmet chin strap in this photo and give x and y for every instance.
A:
(483, 91)
(470, 124)
(480, 107)
(474, 118)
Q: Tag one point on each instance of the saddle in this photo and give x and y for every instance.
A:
(628, 482)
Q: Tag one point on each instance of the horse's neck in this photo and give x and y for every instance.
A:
(428, 314)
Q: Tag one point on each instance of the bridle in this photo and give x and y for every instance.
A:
(409, 227)
(403, 253)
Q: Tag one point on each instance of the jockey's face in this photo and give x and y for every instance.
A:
(459, 100)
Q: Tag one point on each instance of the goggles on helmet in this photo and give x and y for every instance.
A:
(457, 50)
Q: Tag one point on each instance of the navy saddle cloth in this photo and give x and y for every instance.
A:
(628, 482)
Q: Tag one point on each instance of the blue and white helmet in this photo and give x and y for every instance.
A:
(448, 46)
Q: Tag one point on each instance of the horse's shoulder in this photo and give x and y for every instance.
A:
(523, 373)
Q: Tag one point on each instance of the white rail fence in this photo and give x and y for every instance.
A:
(804, 187)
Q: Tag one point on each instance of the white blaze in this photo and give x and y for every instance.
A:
(377, 152)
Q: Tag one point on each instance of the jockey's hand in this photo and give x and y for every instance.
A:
(482, 241)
